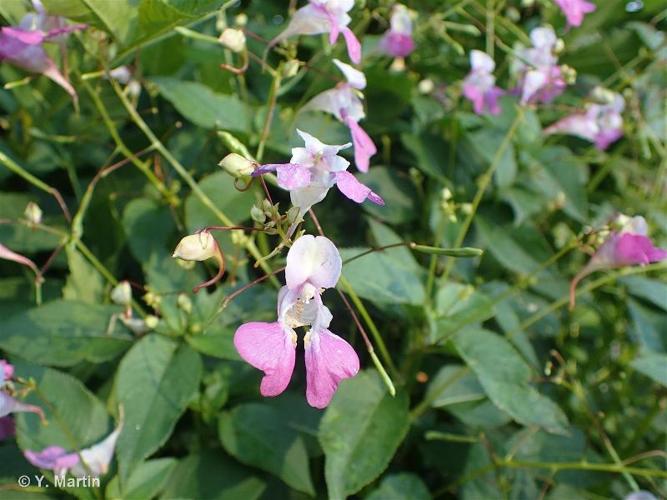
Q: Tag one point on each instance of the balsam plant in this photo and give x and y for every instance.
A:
(169, 246)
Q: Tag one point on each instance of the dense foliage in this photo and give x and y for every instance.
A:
(481, 382)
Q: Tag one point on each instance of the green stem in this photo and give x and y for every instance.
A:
(185, 175)
(558, 466)
(273, 96)
(435, 392)
(609, 278)
(384, 352)
(484, 182)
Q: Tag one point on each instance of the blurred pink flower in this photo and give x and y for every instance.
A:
(313, 265)
(313, 170)
(90, 461)
(627, 245)
(601, 124)
(480, 85)
(6, 371)
(398, 41)
(22, 45)
(324, 16)
(575, 10)
(539, 76)
(345, 103)
(10, 405)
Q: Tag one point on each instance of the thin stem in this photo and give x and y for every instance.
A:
(273, 96)
(185, 175)
(484, 182)
(17, 169)
(558, 466)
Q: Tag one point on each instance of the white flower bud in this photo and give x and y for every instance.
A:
(426, 86)
(236, 165)
(33, 213)
(151, 321)
(122, 294)
(241, 20)
(200, 246)
(184, 303)
(233, 39)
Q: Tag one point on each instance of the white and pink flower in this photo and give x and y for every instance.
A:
(324, 16)
(345, 103)
(313, 265)
(398, 41)
(575, 10)
(479, 87)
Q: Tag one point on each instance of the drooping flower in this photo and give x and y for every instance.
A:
(398, 41)
(479, 87)
(22, 45)
(199, 247)
(345, 103)
(8, 404)
(324, 16)
(539, 76)
(626, 245)
(93, 461)
(313, 170)
(7, 254)
(575, 10)
(313, 265)
(601, 123)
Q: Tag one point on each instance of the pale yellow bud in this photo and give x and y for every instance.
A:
(122, 294)
(233, 39)
(151, 321)
(33, 213)
(236, 165)
(184, 303)
(199, 247)
(426, 86)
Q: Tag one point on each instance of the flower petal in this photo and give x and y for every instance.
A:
(98, 457)
(329, 359)
(314, 260)
(6, 371)
(633, 249)
(10, 405)
(353, 45)
(53, 458)
(291, 176)
(270, 348)
(7, 254)
(355, 190)
(353, 76)
(364, 148)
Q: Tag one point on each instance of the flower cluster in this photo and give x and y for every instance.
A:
(313, 265)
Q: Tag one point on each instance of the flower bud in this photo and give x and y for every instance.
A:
(241, 20)
(426, 86)
(200, 246)
(237, 166)
(184, 303)
(151, 321)
(152, 299)
(257, 214)
(291, 68)
(559, 47)
(233, 39)
(121, 294)
(33, 213)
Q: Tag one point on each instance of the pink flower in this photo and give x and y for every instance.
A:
(601, 124)
(313, 170)
(627, 245)
(345, 103)
(313, 265)
(575, 10)
(7, 428)
(90, 461)
(7, 254)
(10, 405)
(324, 16)
(479, 86)
(540, 77)
(397, 41)
(6, 371)
(22, 45)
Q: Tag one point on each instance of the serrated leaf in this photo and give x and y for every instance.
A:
(360, 432)
(154, 383)
(256, 435)
(64, 333)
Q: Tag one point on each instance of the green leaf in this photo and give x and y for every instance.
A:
(219, 187)
(653, 291)
(255, 434)
(18, 237)
(458, 306)
(212, 475)
(84, 282)
(203, 107)
(147, 226)
(653, 365)
(486, 142)
(360, 432)
(430, 152)
(398, 192)
(505, 377)
(403, 486)
(64, 333)
(155, 382)
(387, 277)
(77, 419)
(454, 384)
(146, 481)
